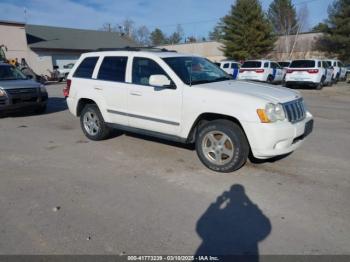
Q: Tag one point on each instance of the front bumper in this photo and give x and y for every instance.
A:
(15, 103)
(270, 140)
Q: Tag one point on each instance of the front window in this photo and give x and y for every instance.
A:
(11, 73)
(196, 70)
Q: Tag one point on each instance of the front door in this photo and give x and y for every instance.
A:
(152, 108)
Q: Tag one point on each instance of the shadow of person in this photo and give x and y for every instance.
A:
(233, 225)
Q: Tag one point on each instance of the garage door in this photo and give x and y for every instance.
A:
(61, 60)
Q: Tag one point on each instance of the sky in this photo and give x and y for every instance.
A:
(197, 17)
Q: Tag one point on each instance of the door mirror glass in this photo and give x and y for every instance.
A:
(159, 81)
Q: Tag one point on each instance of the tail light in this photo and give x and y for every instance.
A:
(67, 88)
(312, 71)
(289, 71)
(241, 70)
(259, 71)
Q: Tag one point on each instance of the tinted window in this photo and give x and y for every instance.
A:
(329, 63)
(143, 68)
(251, 64)
(324, 64)
(113, 69)
(302, 63)
(234, 65)
(86, 67)
(284, 64)
(226, 65)
(319, 64)
(274, 65)
(266, 64)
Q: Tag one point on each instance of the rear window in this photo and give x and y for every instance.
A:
(251, 64)
(284, 64)
(302, 64)
(86, 67)
(226, 65)
(113, 69)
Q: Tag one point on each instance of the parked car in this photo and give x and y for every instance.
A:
(186, 99)
(261, 70)
(308, 72)
(339, 73)
(17, 92)
(231, 67)
(63, 72)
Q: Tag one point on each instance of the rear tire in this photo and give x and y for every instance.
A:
(93, 124)
(270, 79)
(222, 146)
(320, 85)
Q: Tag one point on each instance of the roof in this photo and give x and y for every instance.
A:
(49, 37)
(140, 53)
(13, 23)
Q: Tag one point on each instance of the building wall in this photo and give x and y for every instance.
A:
(13, 36)
(210, 50)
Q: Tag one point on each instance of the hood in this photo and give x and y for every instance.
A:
(276, 94)
(10, 84)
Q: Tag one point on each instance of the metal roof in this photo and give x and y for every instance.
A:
(49, 37)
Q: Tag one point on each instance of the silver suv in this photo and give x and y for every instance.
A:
(17, 92)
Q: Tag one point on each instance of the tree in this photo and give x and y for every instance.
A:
(336, 39)
(217, 33)
(247, 33)
(283, 17)
(158, 37)
(191, 39)
(142, 36)
(177, 36)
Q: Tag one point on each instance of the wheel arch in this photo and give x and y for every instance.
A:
(81, 104)
(206, 117)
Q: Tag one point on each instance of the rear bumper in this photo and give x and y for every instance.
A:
(270, 140)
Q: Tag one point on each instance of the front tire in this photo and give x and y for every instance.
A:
(93, 124)
(222, 146)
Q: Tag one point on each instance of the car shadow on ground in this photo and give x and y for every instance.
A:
(254, 160)
(232, 225)
(54, 105)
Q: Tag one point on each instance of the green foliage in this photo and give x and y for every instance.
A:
(247, 33)
(282, 15)
(177, 36)
(158, 37)
(336, 39)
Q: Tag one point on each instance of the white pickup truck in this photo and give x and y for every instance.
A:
(188, 99)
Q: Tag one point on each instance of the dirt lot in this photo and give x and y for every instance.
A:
(63, 194)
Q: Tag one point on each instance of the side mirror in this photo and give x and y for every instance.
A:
(160, 81)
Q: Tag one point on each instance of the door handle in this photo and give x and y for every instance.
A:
(135, 93)
(98, 88)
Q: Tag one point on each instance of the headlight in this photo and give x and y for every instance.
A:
(2, 93)
(271, 113)
(43, 89)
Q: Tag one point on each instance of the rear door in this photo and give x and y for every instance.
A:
(110, 85)
(277, 72)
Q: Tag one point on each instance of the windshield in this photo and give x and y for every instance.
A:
(302, 63)
(8, 72)
(196, 70)
(251, 64)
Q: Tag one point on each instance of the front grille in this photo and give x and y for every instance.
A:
(295, 110)
(16, 91)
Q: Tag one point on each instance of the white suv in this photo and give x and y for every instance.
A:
(188, 99)
(339, 73)
(261, 70)
(309, 72)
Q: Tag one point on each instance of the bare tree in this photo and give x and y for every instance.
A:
(303, 16)
(142, 36)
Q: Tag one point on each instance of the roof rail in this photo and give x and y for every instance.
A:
(133, 48)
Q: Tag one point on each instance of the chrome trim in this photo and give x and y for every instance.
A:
(144, 117)
(295, 110)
